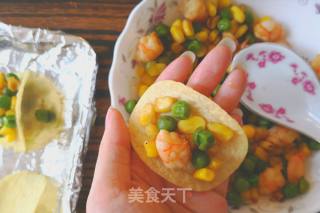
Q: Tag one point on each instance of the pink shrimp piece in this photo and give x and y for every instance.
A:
(174, 151)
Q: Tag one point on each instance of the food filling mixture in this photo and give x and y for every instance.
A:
(275, 164)
(181, 138)
(9, 85)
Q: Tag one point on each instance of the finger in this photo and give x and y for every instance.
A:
(180, 69)
(207, 202)
(211, 70)
(112, 168)
(222, 189)
(237, 114)
(231, 90)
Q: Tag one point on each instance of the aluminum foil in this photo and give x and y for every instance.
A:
(71, 64)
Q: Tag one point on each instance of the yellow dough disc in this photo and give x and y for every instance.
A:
(27, 192)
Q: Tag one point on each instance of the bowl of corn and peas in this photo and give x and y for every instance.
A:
(268, 168)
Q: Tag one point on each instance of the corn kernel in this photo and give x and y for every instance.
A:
(13, 102)
(9, 133)
(152, 131)
(187, 28)
(151, 149)
(265, 18)
(190, 125)
(213, 35)
(238, 14)
(234, 27)
(203, 35)
(148, 115)
(261, 153)
(164, 104)
(202, 52)
(2, 81)
(142, 88)
(224, 3)
(2, 112)
(176, 48)
(139, 69)
(13, 84)
(241, 31)
(204, 174)
(177, 31)
(221, 132)
(10, 112)
(249, 130)
(214, 164)
(212, 8)
(315, 63)
(147, 79)
(155, 69)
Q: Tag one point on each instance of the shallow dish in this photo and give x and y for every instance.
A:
(299, 17)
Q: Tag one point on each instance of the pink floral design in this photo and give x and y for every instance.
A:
(301, 77)
(251, 86)
(275, 57)
(264, 57)
(279, 113)
(122, 101)
(158, 13)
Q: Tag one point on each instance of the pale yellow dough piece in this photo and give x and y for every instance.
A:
(27, 192)
(37, 92)
(231, 153)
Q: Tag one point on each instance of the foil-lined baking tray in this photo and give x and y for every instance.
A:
(70, 63)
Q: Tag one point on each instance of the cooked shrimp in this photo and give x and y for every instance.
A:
(149, 48)
(174, 151)
(194, 10)
(296, 168)
(271, 180)
(269, 30)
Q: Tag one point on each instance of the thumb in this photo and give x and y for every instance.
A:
(113, 163)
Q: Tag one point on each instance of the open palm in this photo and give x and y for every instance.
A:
(120, 170)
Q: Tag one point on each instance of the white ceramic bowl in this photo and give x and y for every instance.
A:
(301, 18)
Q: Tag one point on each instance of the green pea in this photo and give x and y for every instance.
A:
(194, 45)
(225, 13)
(45, 116)
(304, 185)
(249, 18)
(216, 90)
(129, 106)
(241, 184)
(253, 180)
(290, 190)
(9, 121)
(264, 123)
(162, 30)
(197, 26)
(224, 25)
(260, 165)
(312, 144)
(203, 139)
(200, 159)
(248, 165)
(1, 121)
(234, 199)
(181, 110)
(9, 92)
(12, 75)
(167, 122)
(5, 102)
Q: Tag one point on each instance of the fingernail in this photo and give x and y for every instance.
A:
(230, 43)
(109, 116)
(190, 55)
(238, 111)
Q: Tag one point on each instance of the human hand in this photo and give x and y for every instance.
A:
(119, 168)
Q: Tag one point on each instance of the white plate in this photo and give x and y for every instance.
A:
(301, 18)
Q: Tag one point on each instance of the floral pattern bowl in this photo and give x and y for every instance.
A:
(301, 18)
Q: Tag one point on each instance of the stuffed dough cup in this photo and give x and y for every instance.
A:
(185, 137)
